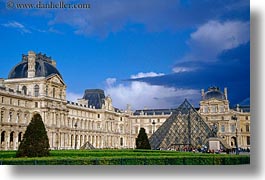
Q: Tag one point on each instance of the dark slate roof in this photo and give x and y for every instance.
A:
(43, 67)
(95, 97)
(214, 93)
(154, 111)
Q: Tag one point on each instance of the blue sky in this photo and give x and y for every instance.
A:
(150, 54)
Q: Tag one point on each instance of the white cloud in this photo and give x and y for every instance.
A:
(110, 81)
(144, 75)
(178, 69)
(212, 38)
(17, 25)
(105, 18)
(140, 95)
(70, 96)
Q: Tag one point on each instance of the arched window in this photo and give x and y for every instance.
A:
(24, 90)
(36, 90)
(3, 137)
(12, 136)
(20, 137)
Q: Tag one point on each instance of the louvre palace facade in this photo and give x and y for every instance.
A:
(35, 85)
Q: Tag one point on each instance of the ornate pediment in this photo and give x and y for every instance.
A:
(55, 79)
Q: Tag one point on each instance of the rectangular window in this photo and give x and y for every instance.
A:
(248, 140)
(36, 104)
(247, 128)
(2, 116)
(233, 128)
(98, 115)
(214, 109)
(121, 141)
(53, 92)
(136, 130)
(11, 101)
(47, 90)
(10, 116)
(222, 109)
(18, 102)
(61, 92)
(223, 128)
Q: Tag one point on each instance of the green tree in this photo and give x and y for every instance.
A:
(142, 141)
(35, 141)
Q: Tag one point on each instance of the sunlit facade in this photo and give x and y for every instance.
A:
(36, 86)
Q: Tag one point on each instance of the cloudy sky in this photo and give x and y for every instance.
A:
(150, 54)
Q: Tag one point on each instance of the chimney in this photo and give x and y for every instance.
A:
(31, 64)
(225, 93)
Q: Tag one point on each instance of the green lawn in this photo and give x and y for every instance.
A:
(124, 157)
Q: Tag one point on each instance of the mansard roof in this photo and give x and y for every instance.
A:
(95, 97)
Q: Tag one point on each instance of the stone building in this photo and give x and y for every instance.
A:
(36, 86)
(233, 125)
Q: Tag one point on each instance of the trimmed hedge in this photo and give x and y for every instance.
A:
(133, 161)
(124, 157)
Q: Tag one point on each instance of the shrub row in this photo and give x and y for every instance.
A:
(182, 160)
(107, 153)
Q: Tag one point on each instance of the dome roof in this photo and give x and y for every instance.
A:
(214, 93)
(43, 67)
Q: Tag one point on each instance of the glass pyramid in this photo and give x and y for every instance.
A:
(183, 130)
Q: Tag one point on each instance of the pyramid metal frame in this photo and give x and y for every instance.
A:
(87, 146)
(183, 130)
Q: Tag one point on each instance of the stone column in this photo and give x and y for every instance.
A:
(15, 140)
(7, 144)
